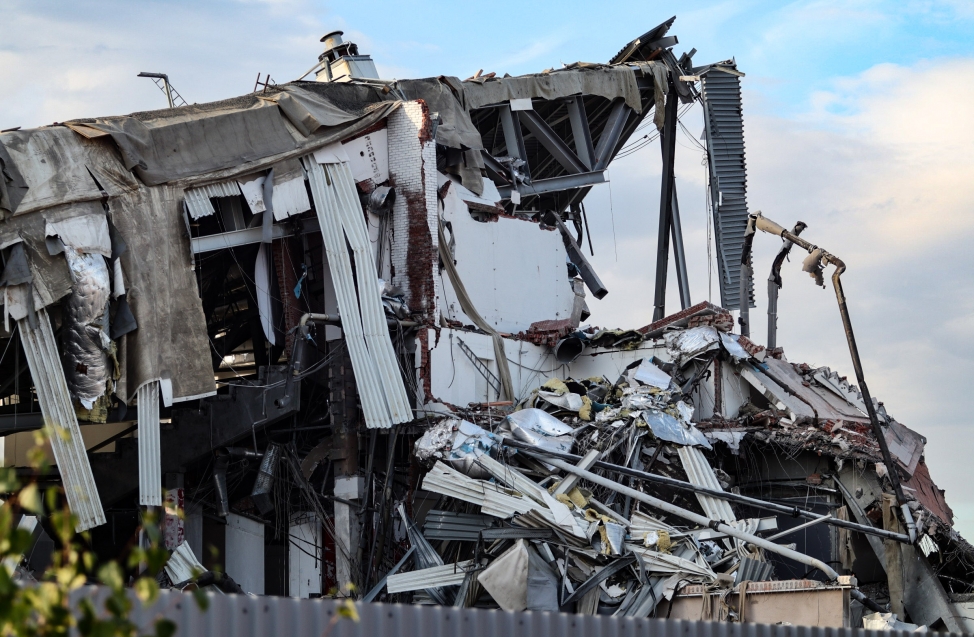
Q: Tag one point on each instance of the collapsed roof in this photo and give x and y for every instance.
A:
(349, 309)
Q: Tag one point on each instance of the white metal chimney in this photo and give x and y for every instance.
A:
(342, 61)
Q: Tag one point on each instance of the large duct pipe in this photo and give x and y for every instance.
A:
(220, 465)
(220, 483)
(262, 495)
(568, 349)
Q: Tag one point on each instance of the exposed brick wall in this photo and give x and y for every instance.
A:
(412, 169)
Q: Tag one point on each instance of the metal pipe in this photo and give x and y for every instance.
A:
(774, 284)
(679, 255)
(745, 279)
(220, 484)
(165, 81)
(772, 313)
(800, 527)
(262, 493)
(320, 318)
(696, 518)
(724, 495)
(771, 227)
(334, 319)
(860, 597)
(668, 150)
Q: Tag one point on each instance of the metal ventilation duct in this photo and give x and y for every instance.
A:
(724, 129)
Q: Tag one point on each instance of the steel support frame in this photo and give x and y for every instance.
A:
(556, 184)
(611, 134)
(585, 164)
(236, 238)
(554, 144)
(669, 223)
(581, 132)
(577, 257)
(513, 138)
(630, 122)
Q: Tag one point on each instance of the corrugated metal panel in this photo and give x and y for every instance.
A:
(370, 301)
(513, 478)
(244, 616)
(150, 462)
(290, 198)
(700, 473)
(446, 575)
(182, 564)
(198, 199)
(447, 525)
(445, 481)
(724, 128)
(340, 265)
(377, 374)
(66, 441)
(754, 571)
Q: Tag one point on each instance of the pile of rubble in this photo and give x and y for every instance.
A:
(613, 495)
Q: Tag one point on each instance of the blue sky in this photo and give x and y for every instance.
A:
(859, 120)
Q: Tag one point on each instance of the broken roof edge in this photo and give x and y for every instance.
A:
(680, 319)
(646, 39)
(578, 79)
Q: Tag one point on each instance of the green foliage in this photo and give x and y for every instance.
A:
(42, 609)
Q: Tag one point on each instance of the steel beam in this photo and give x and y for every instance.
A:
(12, 423)
(668, 147)
(497, 172)
(577, 257)
(679, 256)
(512, 136)
(580, 131)
(609, 139)
(556, 184)
(554, 144)
(235, 238)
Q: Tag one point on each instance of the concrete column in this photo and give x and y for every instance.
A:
(244, 558)
(347, 529)
(305, 551)
(193, 528)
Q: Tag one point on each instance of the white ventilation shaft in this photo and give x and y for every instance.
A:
(342, 61)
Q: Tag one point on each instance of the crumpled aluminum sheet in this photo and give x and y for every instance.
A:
(539, 428)
(686, 344)
(666, 427)
(649, 374)
(641, 398)
(729, 341)
(567, 400)
(84, 335)
(458, 443)
(731, 438)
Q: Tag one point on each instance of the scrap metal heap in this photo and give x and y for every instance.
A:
(341, 325)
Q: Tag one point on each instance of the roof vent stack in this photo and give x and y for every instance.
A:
(341, 61)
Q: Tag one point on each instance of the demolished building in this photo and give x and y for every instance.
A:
(342, 324)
